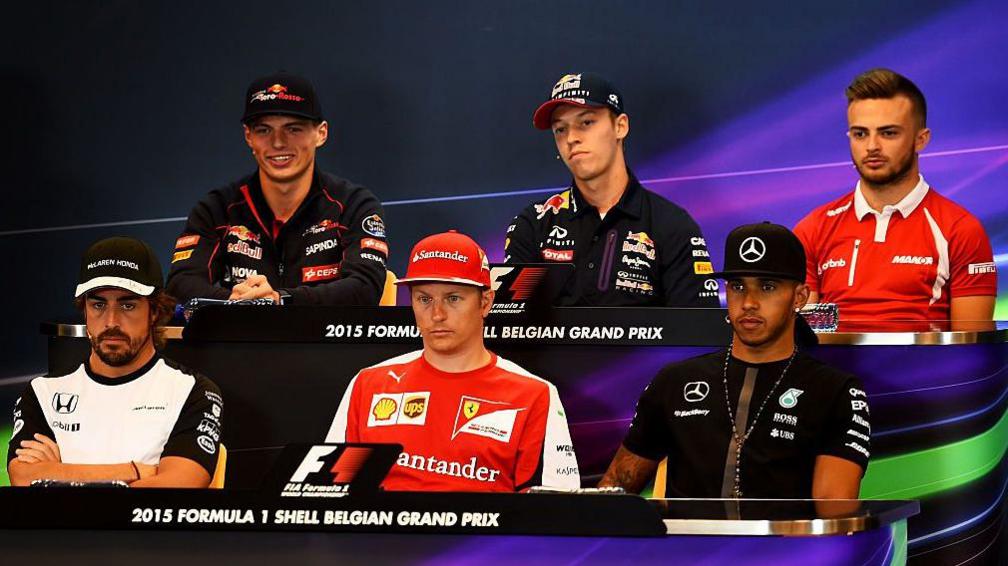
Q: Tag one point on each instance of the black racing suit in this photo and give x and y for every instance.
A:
(647, 251)
(331, 251)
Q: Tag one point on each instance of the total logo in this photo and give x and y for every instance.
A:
(558, 255)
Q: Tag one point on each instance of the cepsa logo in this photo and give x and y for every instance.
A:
(319, 273)
(275, 92)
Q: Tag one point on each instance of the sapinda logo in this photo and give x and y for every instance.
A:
(345, 467)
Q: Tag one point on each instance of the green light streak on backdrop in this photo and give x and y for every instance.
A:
(927, 472)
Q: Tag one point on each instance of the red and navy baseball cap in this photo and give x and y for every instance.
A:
(449, 257)
(587, 90)
(282, 93)
(120, 262)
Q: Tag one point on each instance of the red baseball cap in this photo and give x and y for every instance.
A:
(449, 257)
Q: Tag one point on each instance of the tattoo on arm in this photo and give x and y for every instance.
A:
(629, 471)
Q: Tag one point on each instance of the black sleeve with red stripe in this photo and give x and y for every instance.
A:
(197, 274)
(362, 271)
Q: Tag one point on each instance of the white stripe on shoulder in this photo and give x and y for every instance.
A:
(512, 367)
(403, 359)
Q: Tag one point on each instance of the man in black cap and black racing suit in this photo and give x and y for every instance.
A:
(287, 232)
(761, 419)
(629, 246)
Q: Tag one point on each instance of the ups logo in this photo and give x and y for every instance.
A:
(414, 407)
(384, 409)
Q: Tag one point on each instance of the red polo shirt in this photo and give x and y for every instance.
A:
(904, 263)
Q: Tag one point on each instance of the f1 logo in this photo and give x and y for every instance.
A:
(64, 403)
(343, 470)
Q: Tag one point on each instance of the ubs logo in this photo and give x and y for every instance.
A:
(695, 391)
(64, 403)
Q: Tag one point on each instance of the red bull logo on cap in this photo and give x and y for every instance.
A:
(277, 88)
(554, 204)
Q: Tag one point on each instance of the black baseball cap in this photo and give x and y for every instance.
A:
(282, 93)
(771, 251)
(121, 262)
(587, 90)
(763, 250)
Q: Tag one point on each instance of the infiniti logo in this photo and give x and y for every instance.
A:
(752, 249)
(696, 391)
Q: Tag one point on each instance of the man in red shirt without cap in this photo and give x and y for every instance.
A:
(468, 420)
(895, 249)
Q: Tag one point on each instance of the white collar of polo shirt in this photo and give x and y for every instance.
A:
(905, 207)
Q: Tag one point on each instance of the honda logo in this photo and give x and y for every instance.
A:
(64, 403)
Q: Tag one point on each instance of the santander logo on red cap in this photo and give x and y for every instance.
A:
(437, 254)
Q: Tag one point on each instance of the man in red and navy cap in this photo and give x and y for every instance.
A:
(629, 246)
(468, 419)
(287, 232)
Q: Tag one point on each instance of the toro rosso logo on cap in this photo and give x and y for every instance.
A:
(554, 204)
(243, 234)
(275, 92)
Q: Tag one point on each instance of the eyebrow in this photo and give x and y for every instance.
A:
(581, 114)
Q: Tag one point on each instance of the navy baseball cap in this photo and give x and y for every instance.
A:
(587, 90)
(282, 93)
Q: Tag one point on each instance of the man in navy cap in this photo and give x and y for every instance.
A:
(288, 231)
(760, 419)
(629, 246)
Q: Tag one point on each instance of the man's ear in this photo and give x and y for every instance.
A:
(801, 296)
(486, 301)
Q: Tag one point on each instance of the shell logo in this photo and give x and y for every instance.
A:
(384, 409)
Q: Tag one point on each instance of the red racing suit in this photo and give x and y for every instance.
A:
(496, 428)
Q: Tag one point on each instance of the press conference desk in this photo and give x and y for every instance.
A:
(122, 526)
(939, 399)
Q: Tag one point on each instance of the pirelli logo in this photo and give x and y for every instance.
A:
(980, 268)
(181, 256)
(703, 267)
